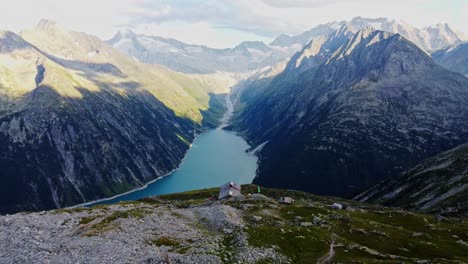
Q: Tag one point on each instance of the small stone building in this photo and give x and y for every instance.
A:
(337, 206)
(229, 189)
(286, 200)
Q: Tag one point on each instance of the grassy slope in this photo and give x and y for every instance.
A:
(366, 234)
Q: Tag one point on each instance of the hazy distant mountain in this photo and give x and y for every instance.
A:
(80, 121)
(454, 58)
(179, 56)
(431, 38)
(352, 108)
(300, 40)
(254, 55)
(436, 185)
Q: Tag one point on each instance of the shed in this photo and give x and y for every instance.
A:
(337, 206)
(286, 200)
(229, 189)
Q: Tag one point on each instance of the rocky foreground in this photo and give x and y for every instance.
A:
(191, 228)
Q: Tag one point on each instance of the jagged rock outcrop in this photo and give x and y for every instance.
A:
(351, 109)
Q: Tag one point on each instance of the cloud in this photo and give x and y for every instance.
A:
(198, 33)
(91, 16)
(266, 19)
(243, 15)
(303, 3)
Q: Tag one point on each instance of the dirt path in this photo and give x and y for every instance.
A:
(329, 256)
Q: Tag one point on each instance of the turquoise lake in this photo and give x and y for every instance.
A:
(215, 157)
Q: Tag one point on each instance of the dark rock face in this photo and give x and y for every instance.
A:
(76, 150)
(436, 185)
(351, 110)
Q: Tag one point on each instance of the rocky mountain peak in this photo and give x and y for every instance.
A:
(124, 37)
(440, 26)
(257, 45)
(363, 22)
(443, 28)
(124, 34)
(6, 35)
(10, 41)
(366, 32)
(431, 38)
(47, 25)
(337, 45)
(346, 29)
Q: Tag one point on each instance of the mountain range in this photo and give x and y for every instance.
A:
(179, 56)
(331, 111)
(352, 108)
(430, 38)
(447, 45)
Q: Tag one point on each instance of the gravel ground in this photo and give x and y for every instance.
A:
(129, 233)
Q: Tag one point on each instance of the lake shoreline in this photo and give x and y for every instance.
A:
(224, 122)
(142, 187)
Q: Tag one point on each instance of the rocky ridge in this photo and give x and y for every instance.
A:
(350, 110)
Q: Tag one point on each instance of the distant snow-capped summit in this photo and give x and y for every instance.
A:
(431, 38)
(190, 58)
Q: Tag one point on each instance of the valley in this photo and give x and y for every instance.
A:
(332, 111)
(215, 157)
(81, 121)
(348, 142)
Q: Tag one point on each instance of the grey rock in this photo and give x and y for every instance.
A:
(256, 218)
(305, 224)
(258, 196)
(148, 234)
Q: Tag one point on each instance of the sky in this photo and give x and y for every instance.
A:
(222, 23)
